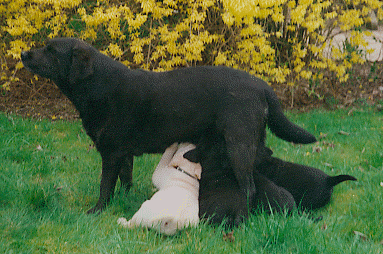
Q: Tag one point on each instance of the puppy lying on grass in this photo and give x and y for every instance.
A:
(220, 196)
(175, 205)
(310, 187)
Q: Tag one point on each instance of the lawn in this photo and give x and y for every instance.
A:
(50, 176)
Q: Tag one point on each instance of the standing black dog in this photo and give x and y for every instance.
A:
(130, 112)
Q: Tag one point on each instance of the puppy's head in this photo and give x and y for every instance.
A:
(64, 60)
(193, 168)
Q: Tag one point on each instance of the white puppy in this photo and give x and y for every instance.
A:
(175, 205)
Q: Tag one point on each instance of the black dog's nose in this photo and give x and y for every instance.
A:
(25, 55)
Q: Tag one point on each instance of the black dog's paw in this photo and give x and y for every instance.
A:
(95, 210)
(125, 187)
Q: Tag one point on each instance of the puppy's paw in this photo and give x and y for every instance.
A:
(122, 221)
(167, 226)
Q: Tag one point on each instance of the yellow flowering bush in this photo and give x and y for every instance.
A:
(280, 40)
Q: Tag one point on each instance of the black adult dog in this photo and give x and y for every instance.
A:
(130, 112)
(311, 187)
(220, 196)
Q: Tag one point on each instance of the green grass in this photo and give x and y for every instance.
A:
(50, 176)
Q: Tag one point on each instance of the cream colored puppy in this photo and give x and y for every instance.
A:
(175, 205)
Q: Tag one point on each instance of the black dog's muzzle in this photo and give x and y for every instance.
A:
(26, 55)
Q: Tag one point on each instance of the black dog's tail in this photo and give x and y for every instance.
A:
(334, 180)
(283, 127)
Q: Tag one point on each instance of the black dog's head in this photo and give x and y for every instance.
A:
(64, 60)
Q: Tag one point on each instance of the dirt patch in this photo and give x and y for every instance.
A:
(36, 97)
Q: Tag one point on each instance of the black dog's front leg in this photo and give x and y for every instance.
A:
(126, 173)
(241, 158)
(244, 133)
(111, 168)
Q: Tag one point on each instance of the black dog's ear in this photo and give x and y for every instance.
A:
(192, 156)
(82, 62)
(267, 151)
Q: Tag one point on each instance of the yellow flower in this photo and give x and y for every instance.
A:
(228, 18)
(297, 14)
(138, 58)
(17, 46)
(137, 22)
(278, 17)
(305, 74)
(331, 15)
(115, 50)
(220, 59)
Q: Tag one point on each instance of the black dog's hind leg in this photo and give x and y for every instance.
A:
(112, 165)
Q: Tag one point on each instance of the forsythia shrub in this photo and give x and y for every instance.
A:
(280, 40)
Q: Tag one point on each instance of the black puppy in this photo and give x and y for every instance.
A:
(130, 112)
(220, 196)
(310, 187)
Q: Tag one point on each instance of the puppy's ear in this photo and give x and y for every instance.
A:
(192, 156)
(82, 62)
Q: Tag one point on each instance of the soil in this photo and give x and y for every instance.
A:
(40, 98)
